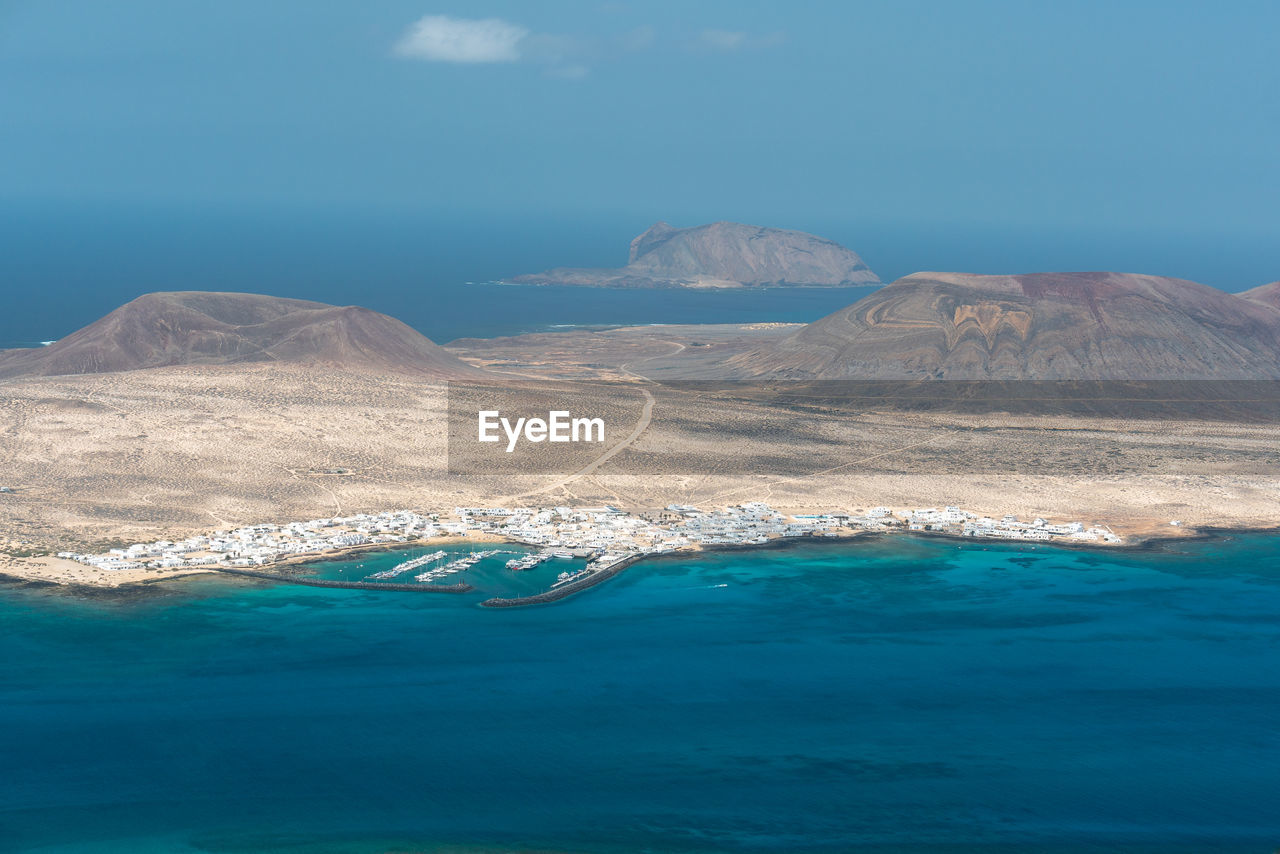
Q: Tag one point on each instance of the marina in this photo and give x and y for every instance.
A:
(605, 561)
(401, 568)
(527, 562)
(523, 564)
(567, 584)
(457, 565)
(305, 581)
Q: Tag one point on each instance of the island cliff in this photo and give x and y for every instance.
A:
(721, 255)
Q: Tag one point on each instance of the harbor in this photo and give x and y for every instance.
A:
(483, 570)
(306, 581)
(455, 566)
(567, 584)
(401, 568)
(539, 554)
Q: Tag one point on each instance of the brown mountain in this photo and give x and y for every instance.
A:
(721, 255)
(1043, 326)
(202, 328)
(1266, 294)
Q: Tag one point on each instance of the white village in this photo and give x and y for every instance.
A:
(606, 536)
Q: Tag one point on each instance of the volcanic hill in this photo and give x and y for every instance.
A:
(1041, 326)
(1266, 294)
(207, 328)
(721, 255)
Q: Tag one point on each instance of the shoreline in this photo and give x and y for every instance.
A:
(675, 285)
(1149, 543)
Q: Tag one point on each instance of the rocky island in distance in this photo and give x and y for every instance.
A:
(720, 255)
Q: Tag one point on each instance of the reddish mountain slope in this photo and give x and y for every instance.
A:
(1047, 326)
(201, 328)
(1266, 294)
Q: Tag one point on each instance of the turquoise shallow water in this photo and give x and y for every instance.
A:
(894, 695)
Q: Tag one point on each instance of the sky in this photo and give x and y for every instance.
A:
(1081, 128)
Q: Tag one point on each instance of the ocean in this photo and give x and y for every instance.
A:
(64, 265)
(884, 695)
(63, 269)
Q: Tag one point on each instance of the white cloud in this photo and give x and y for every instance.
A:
(440, 38)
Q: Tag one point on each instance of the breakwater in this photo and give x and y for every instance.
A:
(348, 585)
(567, 590)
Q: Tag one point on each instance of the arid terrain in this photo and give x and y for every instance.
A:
(320, 411)
(135, 456)
(1268, 294)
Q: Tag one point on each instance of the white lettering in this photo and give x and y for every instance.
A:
(558, 427)
(535, 430)
(487, 424)
(586, 424)
(512, 435)
(559, 424)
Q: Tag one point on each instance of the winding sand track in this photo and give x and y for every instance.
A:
(646, 416)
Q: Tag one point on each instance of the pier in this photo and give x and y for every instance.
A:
(577, 586)
(401, 568)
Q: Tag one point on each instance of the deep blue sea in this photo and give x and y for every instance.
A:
(889, 695)
(886, 696)
(62, 269)
(64, 265)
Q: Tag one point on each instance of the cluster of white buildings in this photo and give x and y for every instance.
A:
(256, 545)
(680, 526)
(581, 531)
(953, 520)
(608, 529)
(584, 529)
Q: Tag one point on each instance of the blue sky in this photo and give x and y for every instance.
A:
(1087, 117)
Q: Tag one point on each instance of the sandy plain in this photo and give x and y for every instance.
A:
(97, 461)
